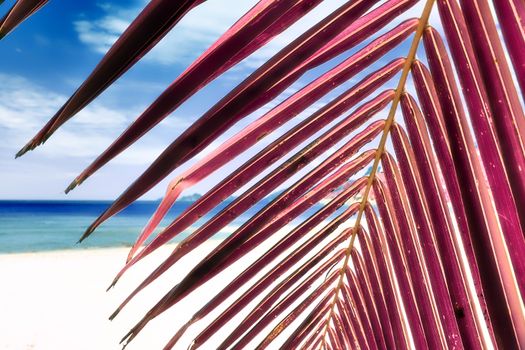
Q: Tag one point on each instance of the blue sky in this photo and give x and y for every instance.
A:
(44, 60)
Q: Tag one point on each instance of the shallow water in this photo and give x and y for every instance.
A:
(27, 226)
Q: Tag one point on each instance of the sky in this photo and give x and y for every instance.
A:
(45, 59)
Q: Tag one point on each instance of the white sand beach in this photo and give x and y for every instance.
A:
(57, 300)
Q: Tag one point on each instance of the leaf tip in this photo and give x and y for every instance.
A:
(73, 184)
(131, 334)
(24, 149)
(115, 280)
(88, 232)
(114, 314)
(130, 255)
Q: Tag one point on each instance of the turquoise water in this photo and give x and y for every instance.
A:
(27, 226)
(51, 225)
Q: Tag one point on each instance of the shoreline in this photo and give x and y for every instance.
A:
(82, 249)
(57, 300)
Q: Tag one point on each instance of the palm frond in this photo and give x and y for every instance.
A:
(18, 13)
(511, 19)
(342, 30)
(425, 250)
(155, 21)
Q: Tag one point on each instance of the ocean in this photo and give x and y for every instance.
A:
(29, 226)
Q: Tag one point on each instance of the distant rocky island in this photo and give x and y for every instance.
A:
(195, 196)
(190, 197)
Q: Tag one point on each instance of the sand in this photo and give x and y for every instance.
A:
(57, 300)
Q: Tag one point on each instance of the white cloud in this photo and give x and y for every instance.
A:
(21, 105)
(192, 35)
(25, 107)
(95, 35)
(195, 32)
(204, 25)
